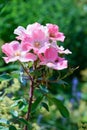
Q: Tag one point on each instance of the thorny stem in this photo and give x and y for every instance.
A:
(30, 101)
(31, 91)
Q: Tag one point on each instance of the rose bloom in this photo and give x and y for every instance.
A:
(16, 51)
(51, 59)
(35, 35)
(54, 33)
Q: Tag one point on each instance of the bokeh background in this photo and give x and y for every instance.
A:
(71, 17)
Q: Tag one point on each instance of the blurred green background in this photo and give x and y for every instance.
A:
(71, 17)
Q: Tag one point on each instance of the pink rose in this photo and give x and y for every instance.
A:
(54, 33)
(15, 51)
(51, 59)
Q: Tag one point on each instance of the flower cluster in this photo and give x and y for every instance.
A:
(37, 43)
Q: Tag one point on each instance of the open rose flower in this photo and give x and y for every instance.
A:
(51, 59)
(16, 51)
(35, 35)
(39, 43)
(54, 33)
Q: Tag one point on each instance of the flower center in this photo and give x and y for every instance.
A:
(37, 44)
(17, 53)
(52, 35)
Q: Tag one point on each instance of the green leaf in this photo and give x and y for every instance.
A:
(14, 113)
(45, 105)
(11, 127)
(25, 109)
(15, 74)
(5, 77)
(36, 73)
(19, 102)
(36, 103)
(43, 89)
(62, 82)
(63, 110)
(24, 122)
(9, 67)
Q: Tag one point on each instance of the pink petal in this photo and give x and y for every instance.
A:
(10, 59)
(15, 45)
(61, 65)
(32, 27)
(62, 51)
(19, 30)
(44, 48)
(60, 36)
(7, 49)
(51, 54)
(25, 46)
(54, 33)
(30, 57)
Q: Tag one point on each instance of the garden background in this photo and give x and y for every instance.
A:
(71, 17)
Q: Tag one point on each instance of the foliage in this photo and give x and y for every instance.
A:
(71, 17)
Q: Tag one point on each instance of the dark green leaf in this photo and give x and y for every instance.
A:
(36, 103)
(62, 82)
(9, 67)
(63, 110)
(21, 105)
(45, 105)
(5, 77)
(36, 73)
(11, 127)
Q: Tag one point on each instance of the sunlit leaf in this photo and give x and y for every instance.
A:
(3, 128)
(15, 74)
(3, 121)
(14, 113)
(25, 109)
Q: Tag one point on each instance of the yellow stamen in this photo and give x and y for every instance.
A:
(17, 53)
(52, 35)
(37, 44)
